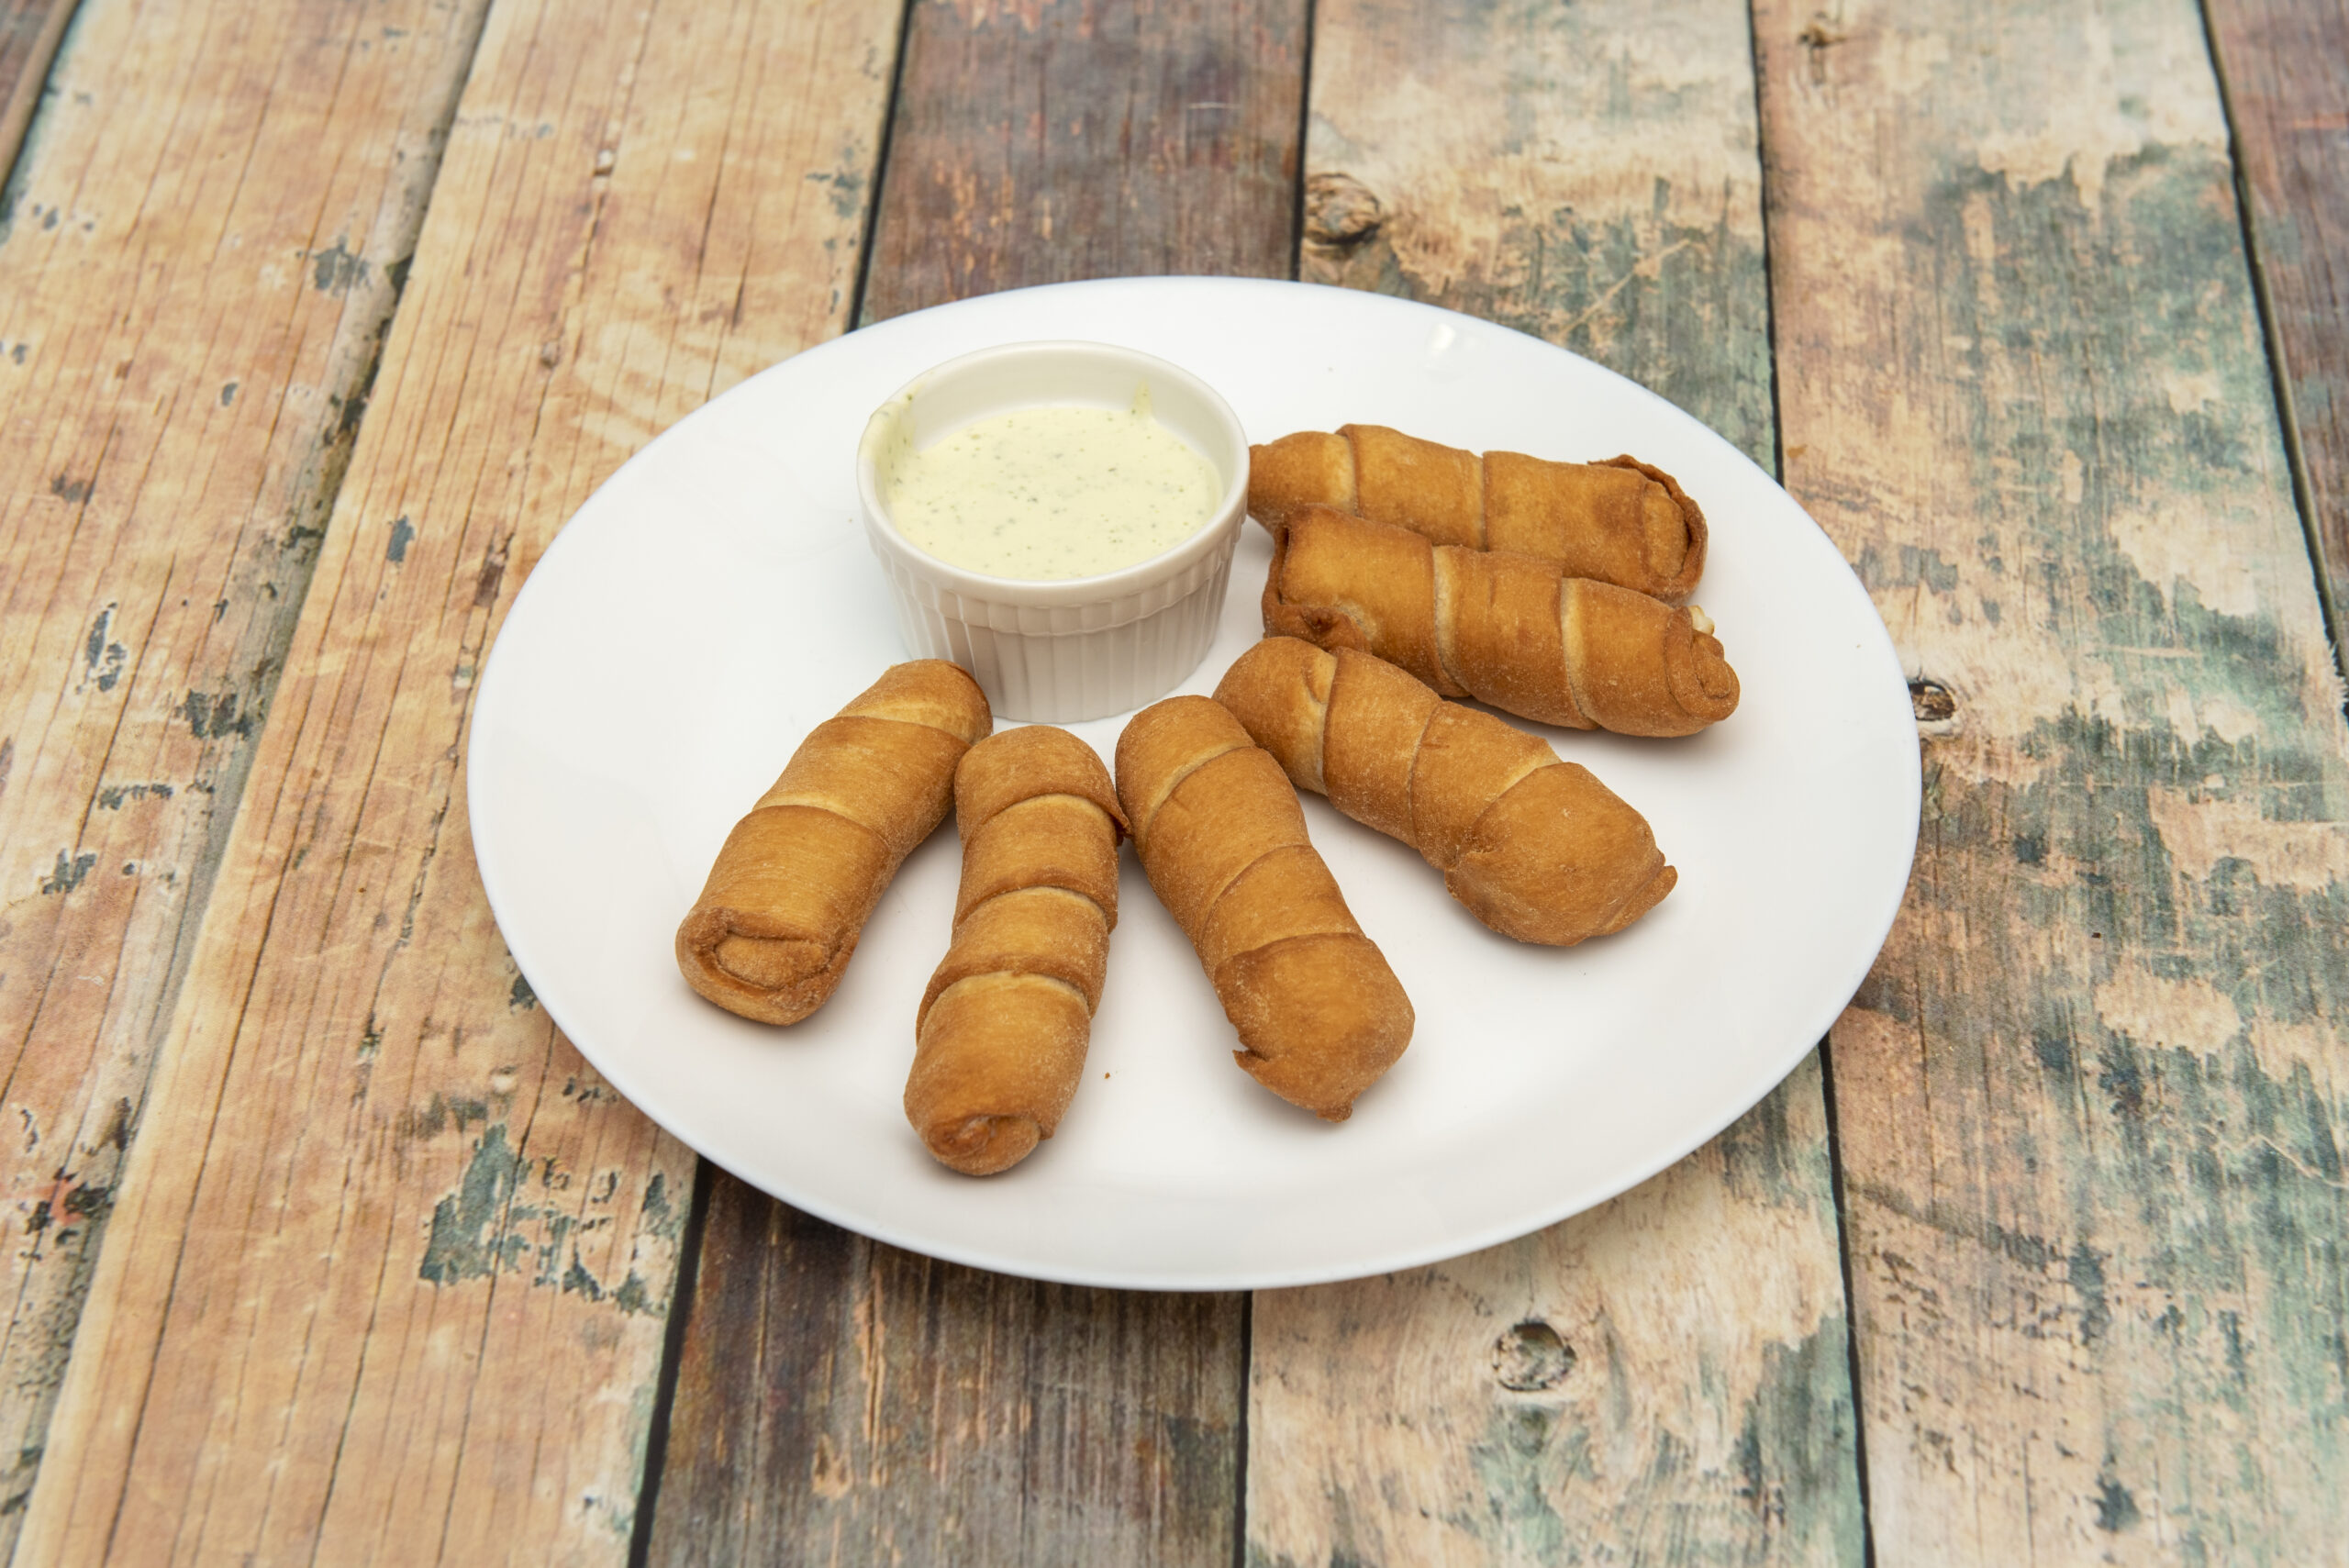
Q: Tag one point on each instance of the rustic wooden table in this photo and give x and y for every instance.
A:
(318, 317)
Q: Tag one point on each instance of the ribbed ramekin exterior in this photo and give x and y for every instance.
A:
(1064, 665)
(1062, 653)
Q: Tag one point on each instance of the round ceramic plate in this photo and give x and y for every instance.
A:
(716, 600)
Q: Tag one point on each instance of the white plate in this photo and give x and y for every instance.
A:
(715, 600)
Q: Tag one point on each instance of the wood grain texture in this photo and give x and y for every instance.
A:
(1039, 141)
(2286, 72)
(29, 33)
(843, 1402)
(388, 1269)
(201, 252)
(1589, 174)
(1586, 174)
(899, 1405)
(1663, 1379)
(2091, 1097)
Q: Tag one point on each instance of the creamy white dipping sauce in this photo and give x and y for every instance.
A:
(1050, 491)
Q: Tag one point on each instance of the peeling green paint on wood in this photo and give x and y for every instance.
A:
(148, 610)
(1664, 1378)
(2091, 1095)
(457, 1219)
(1589, 174)
(1586, 175)
(481, 1230)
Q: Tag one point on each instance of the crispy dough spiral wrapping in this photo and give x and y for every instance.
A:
(1504, 629)
(1320, 1016)
(1536, 847)
(778, 919)
(1621, 521)
(1002, 1030)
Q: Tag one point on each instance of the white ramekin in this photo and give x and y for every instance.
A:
(1061, 652)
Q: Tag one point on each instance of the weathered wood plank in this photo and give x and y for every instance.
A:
(387, 1274)
(1591, 175)
(2286, 89)
(1042, 141)
(201, 257)
(900, 1406)
(1665, 1378)
(29, 33)
(2092, 1096)
(873, 1406)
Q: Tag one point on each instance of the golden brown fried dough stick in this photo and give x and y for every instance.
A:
(1321, 1016)
(1621, 521)
(775, 923)
(1536, 847)
(1001, 1033)
(1504, 629)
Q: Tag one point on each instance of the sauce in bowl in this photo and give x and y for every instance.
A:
(1050, 493)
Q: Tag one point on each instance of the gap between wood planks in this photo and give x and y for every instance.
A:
(30, 32)
(1134, 1386)
(2299, 332)
(318, 441)
(1735, 392)
(681, 1297)
(2024, 376)
(1589, 176)
(549, 327)
(1817, 39)
(701, 1183)
(1835, 1180)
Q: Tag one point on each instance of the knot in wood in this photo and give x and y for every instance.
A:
(1341, 210)
(1816, 40)
(1933, 702)
(1532, 1358)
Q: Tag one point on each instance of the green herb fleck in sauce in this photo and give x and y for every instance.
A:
(1051, 492)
